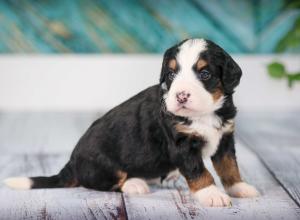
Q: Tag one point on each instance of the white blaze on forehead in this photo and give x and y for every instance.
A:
(189, 52)
(187, 56)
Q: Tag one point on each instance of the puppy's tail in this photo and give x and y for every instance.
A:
(65, 178)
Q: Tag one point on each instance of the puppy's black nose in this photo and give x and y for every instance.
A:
(182, 97)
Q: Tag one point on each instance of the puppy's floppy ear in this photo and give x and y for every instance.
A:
(231, 73)
(169, 54)
(163, 66)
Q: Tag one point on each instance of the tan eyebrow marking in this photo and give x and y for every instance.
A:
(201, 64)
(172, 64)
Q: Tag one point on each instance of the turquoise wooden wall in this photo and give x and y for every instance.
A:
(146, 26)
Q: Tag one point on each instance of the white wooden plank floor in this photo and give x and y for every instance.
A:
(275, 138)
(268, 149)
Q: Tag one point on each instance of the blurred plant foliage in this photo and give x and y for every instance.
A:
(278, 71)
(292, 38)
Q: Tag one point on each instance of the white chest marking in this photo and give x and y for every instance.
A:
(209, 127)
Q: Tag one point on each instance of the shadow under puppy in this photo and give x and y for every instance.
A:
(173, 125)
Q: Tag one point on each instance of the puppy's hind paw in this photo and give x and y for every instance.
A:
(135, 186)
(211, 196)
(242, 190)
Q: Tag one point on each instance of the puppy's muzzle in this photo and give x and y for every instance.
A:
(182, 97)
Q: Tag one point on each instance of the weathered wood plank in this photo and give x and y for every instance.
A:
(276, 141)
(71, 203)
(46, 132)
(75, 203)
(171, 204)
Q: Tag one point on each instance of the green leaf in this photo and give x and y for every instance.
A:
(276, 70)
(292, 78)
(295, 77)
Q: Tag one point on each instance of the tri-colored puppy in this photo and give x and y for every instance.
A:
(188, 116)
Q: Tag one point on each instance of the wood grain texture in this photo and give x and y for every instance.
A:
(276, 141)
(68, 203)
(75, 203)
(171, 204)
(172, 200)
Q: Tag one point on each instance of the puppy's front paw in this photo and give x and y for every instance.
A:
(211, 196)
(173, 175)
(242, 190)
(135, 186)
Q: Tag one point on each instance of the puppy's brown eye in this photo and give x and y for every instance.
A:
(204, 75)
(172, 75)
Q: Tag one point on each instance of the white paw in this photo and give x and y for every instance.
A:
(242, 190)
(135, 186)
(173, 175)
(211, 196)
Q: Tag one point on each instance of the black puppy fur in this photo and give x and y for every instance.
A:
(138, 138)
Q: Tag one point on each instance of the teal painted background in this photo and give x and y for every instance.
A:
(147, 26)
